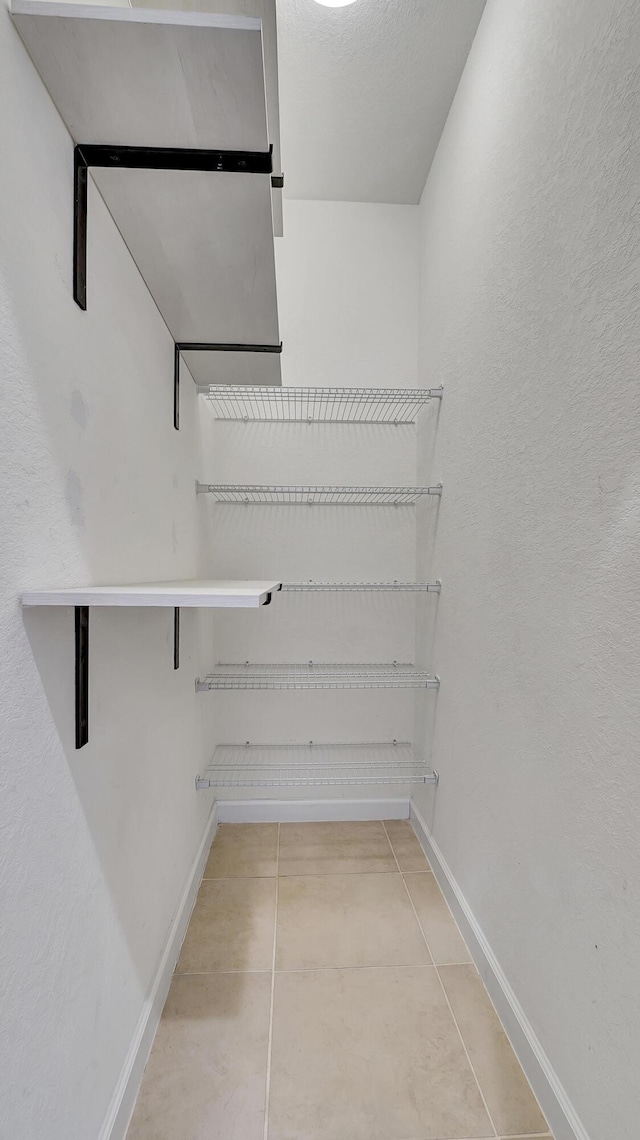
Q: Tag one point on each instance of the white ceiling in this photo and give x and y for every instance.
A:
(365, 91)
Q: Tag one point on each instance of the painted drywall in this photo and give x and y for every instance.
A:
(97, 486)
(348, 289)
(365, 92)
(530, 315)
(348, 294)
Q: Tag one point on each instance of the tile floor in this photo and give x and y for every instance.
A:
(324, 992)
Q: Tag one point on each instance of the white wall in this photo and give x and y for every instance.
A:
(347, 294)
(96, 486)
(348, 289)
(530, 315)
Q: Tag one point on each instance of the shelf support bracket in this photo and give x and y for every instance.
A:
(80, 188)
(87, 155)
(199, 346)
(82, 674)
(176, 637)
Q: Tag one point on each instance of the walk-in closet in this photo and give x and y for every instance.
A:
(318, 620)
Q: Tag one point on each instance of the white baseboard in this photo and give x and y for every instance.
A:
(558, 1109)
(123, 1101)
(305, 811)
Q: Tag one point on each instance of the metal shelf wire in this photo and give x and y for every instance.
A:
(316, 676)
(361, 587)
(306, 765)
(274, 495)
(241, 404)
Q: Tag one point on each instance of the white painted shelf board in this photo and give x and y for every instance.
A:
(312, 765)
(203, 242)
(315, 675)
(133, 77)
(203, 594)
(266, 11)
(238, 368)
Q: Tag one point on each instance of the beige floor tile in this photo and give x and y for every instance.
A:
(445, 941)
(231, 927)
(243, 850)
(334, 848)
(369, 1055)
(346, 920)
(207, 1071)
(510, 1101)
(405, 845)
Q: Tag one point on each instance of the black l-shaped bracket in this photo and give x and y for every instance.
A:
(82, 668)
(147, 158)
(196, 346)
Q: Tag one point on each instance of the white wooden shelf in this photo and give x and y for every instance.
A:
(189, 81)
(311, 765)
(197, 593)
(313, 675)
(265, 10)
(168, 595)
(133, 77)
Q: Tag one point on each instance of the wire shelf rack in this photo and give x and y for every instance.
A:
(307, 765)
(361, 587)
(312, 675)
(274, 495)
(242, 404)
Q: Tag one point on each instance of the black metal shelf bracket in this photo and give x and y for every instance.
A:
(87, 155)
(198, 346)
(81, 614)
(82, 674)
(176, 637)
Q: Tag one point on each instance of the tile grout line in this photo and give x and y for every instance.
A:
(309, 874)
(329, 969)
(267, 1089)
(446, 998)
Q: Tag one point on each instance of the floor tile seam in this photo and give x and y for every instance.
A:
(211, 973)
(487, 1136)
(325, 874)
(233, 878)
(267, 1091)
(343, 875)
(373, 966)
(328, 969)
(337, 969)
(455, 1022)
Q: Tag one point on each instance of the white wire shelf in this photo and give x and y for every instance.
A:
(362, 587)
(275, 495)
(242, 404)
(312, 675)
(307, 765)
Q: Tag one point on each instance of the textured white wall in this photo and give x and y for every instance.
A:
(530, 316)
(348, 294)
(96, 486)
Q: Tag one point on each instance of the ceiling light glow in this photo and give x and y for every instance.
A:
(335, 3)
